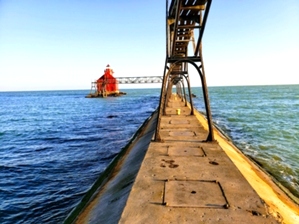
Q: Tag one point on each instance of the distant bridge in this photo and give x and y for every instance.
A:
(134, 80)
(140, 80)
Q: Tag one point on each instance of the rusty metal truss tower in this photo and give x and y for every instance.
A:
(185, 24)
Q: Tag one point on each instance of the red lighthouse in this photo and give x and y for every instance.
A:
(107, 84)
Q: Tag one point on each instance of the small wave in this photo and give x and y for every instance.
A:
(40, 149)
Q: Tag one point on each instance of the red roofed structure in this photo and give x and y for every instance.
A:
(107, 84)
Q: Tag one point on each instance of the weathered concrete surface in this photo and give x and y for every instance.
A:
(186, 180)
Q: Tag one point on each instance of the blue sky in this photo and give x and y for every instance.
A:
(66, 44)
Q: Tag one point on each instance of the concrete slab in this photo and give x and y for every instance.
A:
(193, 194)
(184, 150)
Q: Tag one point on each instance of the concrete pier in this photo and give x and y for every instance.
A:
(184, 179)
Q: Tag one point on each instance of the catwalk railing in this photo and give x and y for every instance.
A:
(185, 23)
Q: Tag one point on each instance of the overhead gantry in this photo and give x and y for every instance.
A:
(185, 24)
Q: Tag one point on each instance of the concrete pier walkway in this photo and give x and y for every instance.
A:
(184, 179)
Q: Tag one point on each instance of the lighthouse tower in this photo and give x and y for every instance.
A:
(107, 85)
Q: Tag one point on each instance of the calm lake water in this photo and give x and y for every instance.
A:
(54, 144)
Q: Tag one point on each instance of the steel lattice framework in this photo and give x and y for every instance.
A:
(140, 80)
(134, 80)
(185, 24)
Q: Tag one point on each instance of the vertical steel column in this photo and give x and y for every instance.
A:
(185, 97)
(160, 108)
(190, 94)
(206, 98)
(157, 134)
(179, 90)
(168, 94)
(182, 18)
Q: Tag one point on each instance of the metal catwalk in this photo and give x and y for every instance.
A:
(185, 24)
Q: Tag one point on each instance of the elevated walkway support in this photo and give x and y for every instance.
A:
(185, 23)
